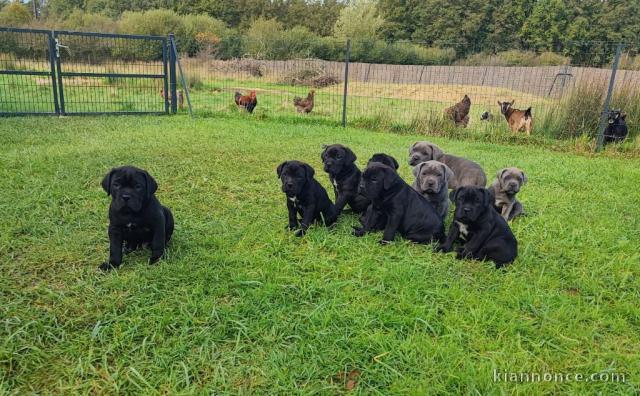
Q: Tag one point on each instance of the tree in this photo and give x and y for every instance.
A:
(15, 14)
(358, 21)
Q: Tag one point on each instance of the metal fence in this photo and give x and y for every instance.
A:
(68, 73)
(63, 72)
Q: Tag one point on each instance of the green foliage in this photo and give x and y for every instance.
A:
(358, 21)
(79, 20)
(515, 58)
(15, 15)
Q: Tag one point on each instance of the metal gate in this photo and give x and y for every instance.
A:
(72, 73)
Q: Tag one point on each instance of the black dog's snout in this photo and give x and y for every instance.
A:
(289, 185)
(466, 210)
(125, 197)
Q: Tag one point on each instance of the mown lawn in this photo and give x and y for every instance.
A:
(242, 306)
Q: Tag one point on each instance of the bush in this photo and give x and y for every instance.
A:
(401, 53)
(316, 77)
(515, 58)
(82, 21)
(202, 34)
(15, 15)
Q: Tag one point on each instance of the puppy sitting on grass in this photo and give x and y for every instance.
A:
(484, 233)
(406, 211)
(305, 196)
(136, 217)
(504, 189)
(432, 182)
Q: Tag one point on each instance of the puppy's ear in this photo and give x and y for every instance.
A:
(499, 175)
(623, 115)
(417, 169)
(350, 155)
(448, 173)
(280, 168)
(106, 181)
(395, 163)
(454, 194)
(389, 178)
(524, 178)
(151, 185)
(309, 171)
(487, 197)
(435, 152)
(324, 152)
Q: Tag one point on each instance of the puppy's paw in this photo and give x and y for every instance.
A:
(384, 242)
(291, 227)
(444, 248)
(299, 233)
(106, 266)
(359, 232)
(154, 259)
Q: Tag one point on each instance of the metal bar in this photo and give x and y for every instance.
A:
(607, 101)
(25, 113)
(115, 75)
(25, 72)
(83, 113)
(172, 78)
(59, 72)
(184, 83)
(346, 83)
(52, 63)
(109, 35)
(23, 30)
(165, 81)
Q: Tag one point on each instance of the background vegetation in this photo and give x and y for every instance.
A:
(580, 30)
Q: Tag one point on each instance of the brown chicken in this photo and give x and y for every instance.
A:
(247, 102)
(304, 105)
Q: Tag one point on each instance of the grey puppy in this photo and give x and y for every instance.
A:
(504, 189)
(466, 173)
(432, 181)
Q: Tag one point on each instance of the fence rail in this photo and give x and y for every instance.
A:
(62, 72)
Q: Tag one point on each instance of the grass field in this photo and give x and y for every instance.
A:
(241, 306)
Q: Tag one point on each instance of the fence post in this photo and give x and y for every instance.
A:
(346, 83)
(174, 49)
(172, 77)
(607, 101)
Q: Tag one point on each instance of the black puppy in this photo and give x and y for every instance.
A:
(339, 163)
(616, 130)
(486, 234)
(407, 212)
(305, 196)
(135, 215)
(373, 219)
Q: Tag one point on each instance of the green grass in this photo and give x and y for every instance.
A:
(241, 306)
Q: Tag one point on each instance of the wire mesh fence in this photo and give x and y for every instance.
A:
(58, 72)
(112, 73)
(397, 84)
(565, 93)
(27, 83)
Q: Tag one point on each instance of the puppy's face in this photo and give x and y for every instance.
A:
(511, 180)
(336, 158)
(423, 152)
(432, 176)
(615, 116)
(377, 179)
(129, 188)
(505, 106)
(384, 159)
(471, 202)
(294, 175)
